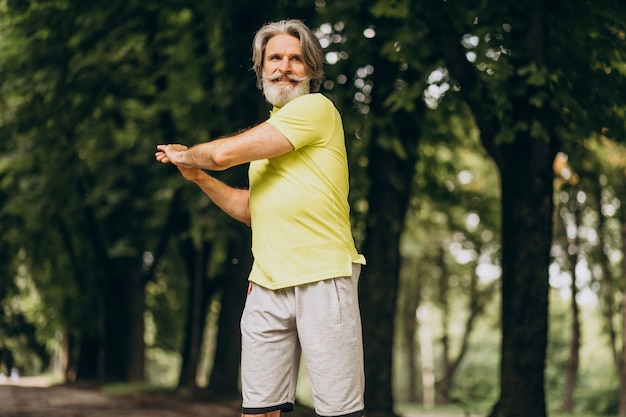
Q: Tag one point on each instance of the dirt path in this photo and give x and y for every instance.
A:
(66, 401)
(32, 397)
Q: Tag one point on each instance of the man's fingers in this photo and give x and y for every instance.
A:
(162, 154)
(172, 146)
(162, 157)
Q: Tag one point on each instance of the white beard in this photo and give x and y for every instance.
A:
(279, 95)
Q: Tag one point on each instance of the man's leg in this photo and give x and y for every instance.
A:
(332, 344)
(272, 414)
(270, 355)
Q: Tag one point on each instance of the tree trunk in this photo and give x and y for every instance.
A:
(525, 165)
(409, 300)
(224, 379)
(527, 205)
(622, 368)
(124, 308)
(89, 365)
(196, 260)
(135, 344)
(115, 329)
(572, 363)
(427, 357)
(412, 359)
(445, 384)
(391, 176)
(476, 305)
(379, 282)
(609, 292)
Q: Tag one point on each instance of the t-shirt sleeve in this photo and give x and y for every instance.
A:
(306, 120)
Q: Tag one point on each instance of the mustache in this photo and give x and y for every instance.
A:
(279, 74)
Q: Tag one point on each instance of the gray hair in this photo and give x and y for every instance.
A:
(309, 44)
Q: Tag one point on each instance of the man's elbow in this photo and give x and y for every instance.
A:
(220, 162)
(222, 158)
(244, 219)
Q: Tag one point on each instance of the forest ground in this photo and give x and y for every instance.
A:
(34, 397)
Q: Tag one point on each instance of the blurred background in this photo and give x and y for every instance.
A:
(487, 155)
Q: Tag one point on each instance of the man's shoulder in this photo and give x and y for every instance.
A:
(312, 99)
(312, 105)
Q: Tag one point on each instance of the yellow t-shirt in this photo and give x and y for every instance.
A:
(299, 209)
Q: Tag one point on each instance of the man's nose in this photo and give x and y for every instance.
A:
(285, 65)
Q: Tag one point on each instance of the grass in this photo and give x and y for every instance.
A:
(457, 411)
(440, 410)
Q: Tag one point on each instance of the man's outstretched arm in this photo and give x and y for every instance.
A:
(260, 142)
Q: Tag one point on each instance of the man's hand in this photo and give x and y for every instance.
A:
(170, 153)
(191, 174)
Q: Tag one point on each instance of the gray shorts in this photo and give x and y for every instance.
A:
(322, 322)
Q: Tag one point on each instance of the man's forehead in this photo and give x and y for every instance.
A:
(283, 43)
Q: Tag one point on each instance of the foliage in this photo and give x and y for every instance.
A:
(88, 89)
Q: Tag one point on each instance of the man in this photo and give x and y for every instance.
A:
(302, 296)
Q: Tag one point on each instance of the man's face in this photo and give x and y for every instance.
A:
(284, 73)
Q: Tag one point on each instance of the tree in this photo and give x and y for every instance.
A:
(525, 107)
(84, 116)
(383, 117)
(570, 214)
(608, 200)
